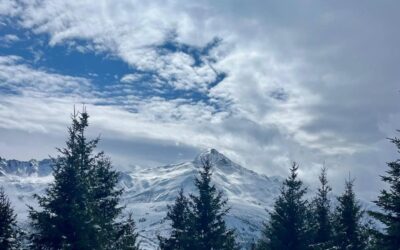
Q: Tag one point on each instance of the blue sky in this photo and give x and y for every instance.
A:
(264, 82)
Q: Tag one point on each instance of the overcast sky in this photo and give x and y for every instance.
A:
(264, 82)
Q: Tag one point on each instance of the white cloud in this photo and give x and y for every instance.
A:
(9, 39)
(9, 7)
(305, 81)
(44, 98)
(19, 77)
(130, 30)
(130, 78)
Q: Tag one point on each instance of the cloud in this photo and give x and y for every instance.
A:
(9, 7)
(20, 78)
(132, 31)
(130, 78)
(308, 81)
(8, 39)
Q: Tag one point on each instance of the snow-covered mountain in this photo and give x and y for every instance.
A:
(148, 192)
(25, 168)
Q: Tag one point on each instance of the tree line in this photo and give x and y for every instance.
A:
(81, 210)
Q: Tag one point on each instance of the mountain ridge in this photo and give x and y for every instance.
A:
(148, 191)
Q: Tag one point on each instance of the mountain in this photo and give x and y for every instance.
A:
(25, 168)
(148, 191)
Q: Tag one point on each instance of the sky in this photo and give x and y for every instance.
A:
(264, 82)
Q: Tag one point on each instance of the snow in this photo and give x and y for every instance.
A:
(148, 192)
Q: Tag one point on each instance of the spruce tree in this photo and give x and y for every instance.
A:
(79, 209)
(349, 231)
(288, 226)
(180, 216)
(8, 224)
(104, 203)
(127, 238)
(209, 208)
(389, 204)
(322, 214)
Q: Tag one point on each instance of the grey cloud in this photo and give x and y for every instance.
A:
(147, 152)
(336, 64)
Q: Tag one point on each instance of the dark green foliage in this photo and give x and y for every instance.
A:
(389, 203)
(8, 228)
(182, 233)
(288, 226)
(198, 223)
(127, 238)
(209, 209)
(322, 214)
(349, 231)
(104, 202)
(80, 207)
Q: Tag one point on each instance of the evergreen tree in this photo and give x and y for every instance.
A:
(288, 226)
(322, 214)
(79, 209)
(349, 232)
(127, 235)
(389, 203)
(209, 209)
(8, 227)
(104, 203)
(180, 216)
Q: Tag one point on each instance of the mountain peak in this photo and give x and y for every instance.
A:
(211, 152)
(214, 156)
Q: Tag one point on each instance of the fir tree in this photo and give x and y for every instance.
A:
(79, 209)
(127, 238)
(322, 214)
(8, 224)
(288, 226)
(209, 209)
(180, 216)
(104, 203)
(389, 203)
(349, 232)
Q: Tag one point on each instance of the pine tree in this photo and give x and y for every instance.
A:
(8, 224)
(349, 231)
(127, 238)
(180, 216)
(209, 209)
(322, 214)
(288, 226)
(79, 209)
(389, 203)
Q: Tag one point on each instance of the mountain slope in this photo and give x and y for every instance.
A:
(148, 191)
